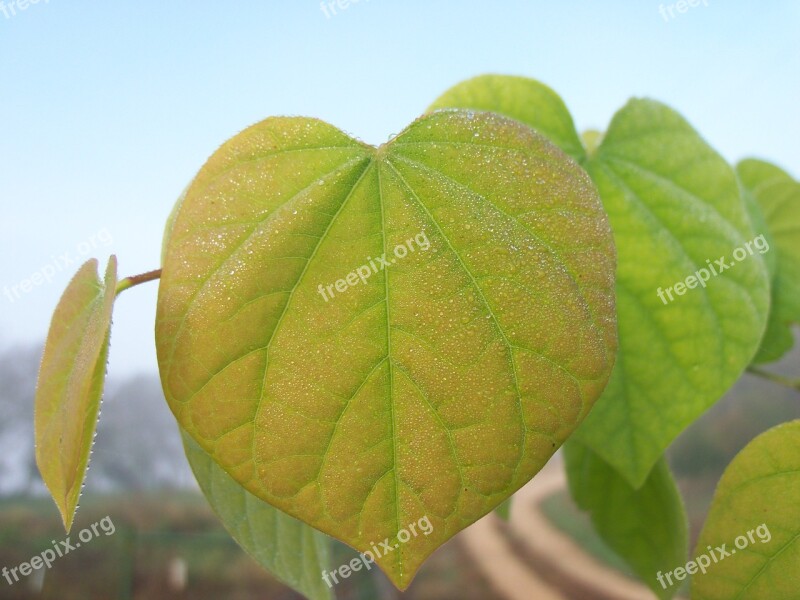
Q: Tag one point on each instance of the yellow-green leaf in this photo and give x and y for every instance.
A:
(170, 223)
(752, 535)
(433, 387)
(70, 383)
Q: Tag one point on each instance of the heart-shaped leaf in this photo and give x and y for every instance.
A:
(647, 527)
(675, 208)
(778, 197)
(751, 538)
(370, 339)
(70, 383)
(290, 550)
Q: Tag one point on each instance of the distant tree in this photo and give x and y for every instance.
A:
(140, 447)
(19, 366)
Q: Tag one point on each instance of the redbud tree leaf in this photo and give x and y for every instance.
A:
(70, 384)
(433, 387)
(778, 196)
(526, 100)
(756, 514)
(674, 204)
(647, 526)
(292, 551)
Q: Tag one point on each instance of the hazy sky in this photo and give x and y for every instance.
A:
(109, 109)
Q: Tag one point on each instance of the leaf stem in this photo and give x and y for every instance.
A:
(775, 378)
(135, 280)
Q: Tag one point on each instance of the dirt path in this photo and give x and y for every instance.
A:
(532, 559)
(501, 565)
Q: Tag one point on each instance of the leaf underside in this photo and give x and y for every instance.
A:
(646, 527)
(287, 548)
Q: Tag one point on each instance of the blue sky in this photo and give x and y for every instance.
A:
(109, 109)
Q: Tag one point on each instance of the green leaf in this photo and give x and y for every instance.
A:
(70, 384)
(525, 100)
(504, 510)
(292, 551)
(759, 225)
(674, 204)
(646, 527)
(591, 139)
(433, 388)
(778, 196)
(756, 515)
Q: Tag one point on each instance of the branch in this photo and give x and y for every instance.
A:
(135, 280)
(775, 378)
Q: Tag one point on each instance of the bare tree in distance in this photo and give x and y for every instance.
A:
(138, 443)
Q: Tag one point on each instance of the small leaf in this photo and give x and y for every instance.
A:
(646, 527)
(756, 515)
(433, 387)
(70, 383)
(292, 551)
(778, 196)
(674, 204)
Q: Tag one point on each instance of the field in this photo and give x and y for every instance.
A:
(172, 546)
